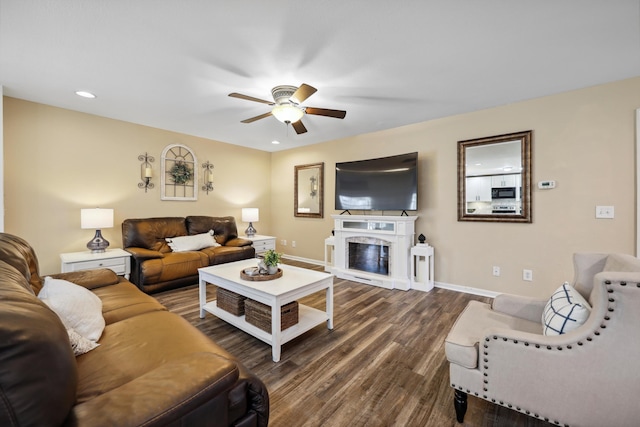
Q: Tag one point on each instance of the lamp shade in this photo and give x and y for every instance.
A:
(250, 214)
(96, 218)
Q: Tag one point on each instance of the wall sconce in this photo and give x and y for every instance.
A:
(249, 215)
(145, 171)
(314, 186)
(97, 219)
(207, 177)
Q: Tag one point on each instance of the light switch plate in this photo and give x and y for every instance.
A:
(604, 212)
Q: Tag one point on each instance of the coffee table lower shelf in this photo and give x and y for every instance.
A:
(308, 318)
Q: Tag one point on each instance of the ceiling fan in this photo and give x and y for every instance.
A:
(286, 106)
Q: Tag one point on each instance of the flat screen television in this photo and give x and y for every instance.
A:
(382, 184)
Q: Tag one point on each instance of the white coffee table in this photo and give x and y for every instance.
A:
(294, 284)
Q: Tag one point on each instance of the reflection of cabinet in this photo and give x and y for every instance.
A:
(504, 180)
(519, 187)
(478, 189)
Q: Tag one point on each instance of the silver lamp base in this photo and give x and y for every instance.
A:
(250, 231)
(98, 243)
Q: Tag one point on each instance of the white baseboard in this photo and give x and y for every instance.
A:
(449, 286)
(467, 290)
(301, 259)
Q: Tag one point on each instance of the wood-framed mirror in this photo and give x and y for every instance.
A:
(308, 193)
(494, 178)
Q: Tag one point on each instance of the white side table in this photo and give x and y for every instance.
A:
(116, 259)
(422, 267)
(262, 243)
(329, 248)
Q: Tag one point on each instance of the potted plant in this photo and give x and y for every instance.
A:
(271, 260)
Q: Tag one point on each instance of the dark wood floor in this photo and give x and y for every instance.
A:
(383, 364)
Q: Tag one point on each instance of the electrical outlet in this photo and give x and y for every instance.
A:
(293, 243)
(604, 212)
(527, 275)
(283, 242)
(496, 270)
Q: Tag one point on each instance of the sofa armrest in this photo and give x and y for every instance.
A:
(238, 242)
(141, 254)
(192, 389)
(526, 308)
(90, 279)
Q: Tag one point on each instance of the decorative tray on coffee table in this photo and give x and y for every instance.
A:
(254, 274)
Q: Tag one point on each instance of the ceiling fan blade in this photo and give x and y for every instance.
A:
(253, 119)
(338, 114)
(299, 127)
(250, 98)
(302, 93)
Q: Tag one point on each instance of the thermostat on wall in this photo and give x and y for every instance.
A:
(546, 185)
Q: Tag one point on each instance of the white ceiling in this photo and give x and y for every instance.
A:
(171, 64)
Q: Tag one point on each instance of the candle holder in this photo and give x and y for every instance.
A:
(207, 177)
(145, 171)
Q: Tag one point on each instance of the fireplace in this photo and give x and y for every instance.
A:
(367, 254)
(373, 249)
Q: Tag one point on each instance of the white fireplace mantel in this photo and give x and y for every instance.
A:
(396, 231)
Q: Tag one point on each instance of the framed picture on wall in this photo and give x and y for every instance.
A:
(179, 173)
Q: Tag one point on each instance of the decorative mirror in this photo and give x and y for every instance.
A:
(308, 193)
(179, 173)
(494, 178)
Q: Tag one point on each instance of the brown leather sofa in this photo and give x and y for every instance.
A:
(151, 368)
(155, 267)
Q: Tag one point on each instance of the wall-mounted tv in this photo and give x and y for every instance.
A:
(382, 184)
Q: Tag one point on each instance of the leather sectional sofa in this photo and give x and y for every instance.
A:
(156, 267)
(151, 367)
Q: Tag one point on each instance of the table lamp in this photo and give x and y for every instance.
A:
(249, 215)
(97, 219)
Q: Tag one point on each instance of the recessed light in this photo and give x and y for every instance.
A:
(85, 94)
(275, 142)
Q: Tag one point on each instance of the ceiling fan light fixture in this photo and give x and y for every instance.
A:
(287, 113)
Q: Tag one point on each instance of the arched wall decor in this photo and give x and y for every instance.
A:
(179, 173)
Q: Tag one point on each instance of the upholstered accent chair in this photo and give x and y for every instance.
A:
(587, 376)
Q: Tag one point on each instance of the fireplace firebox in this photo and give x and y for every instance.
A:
(370, 257)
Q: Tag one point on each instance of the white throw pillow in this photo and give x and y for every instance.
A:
(565, 311)
(79, 344)
(77, 307)
(192, 243)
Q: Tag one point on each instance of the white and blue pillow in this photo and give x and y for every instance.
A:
(565, 311)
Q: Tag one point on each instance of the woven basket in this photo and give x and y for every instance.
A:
(230, 301)
(259, 315)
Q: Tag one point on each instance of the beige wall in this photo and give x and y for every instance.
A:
(59, 161)
(582, 139)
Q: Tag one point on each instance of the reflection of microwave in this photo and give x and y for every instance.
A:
(503, 193)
